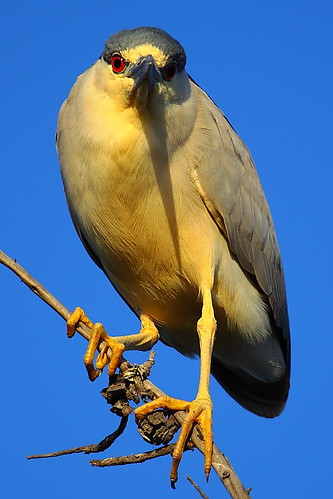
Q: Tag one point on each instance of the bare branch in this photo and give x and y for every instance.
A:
(221, 464)
(196, 486)
(88, 449)
(65, 452)
(134, 458)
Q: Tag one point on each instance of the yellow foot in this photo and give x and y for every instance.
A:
(198, 411)
(98, 334)
(144, 340)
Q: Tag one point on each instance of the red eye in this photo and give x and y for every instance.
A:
(118, 64)
(170, 71)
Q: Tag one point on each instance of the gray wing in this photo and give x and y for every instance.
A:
(231, 189)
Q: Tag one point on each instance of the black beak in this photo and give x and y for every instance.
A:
(144, 69)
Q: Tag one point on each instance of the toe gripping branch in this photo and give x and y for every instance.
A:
(197, 411)
(98, 334)
(155, 413)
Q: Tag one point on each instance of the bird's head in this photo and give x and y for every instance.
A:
(144, 67)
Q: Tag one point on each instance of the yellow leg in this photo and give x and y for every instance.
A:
(200, 409)
(144, 340)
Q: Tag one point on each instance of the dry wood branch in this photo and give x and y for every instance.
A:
(134, 458)
(88, 449)
(196, 486)
(221, 464)
(65, 452)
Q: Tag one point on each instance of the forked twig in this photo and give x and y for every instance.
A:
(221, 464)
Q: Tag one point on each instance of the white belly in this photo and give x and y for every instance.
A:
(154, 237)
(159, 246)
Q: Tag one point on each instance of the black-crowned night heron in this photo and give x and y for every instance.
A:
(167, 201)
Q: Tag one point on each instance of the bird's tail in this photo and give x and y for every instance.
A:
(266, 399)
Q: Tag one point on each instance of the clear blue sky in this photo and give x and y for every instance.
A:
(268, 65)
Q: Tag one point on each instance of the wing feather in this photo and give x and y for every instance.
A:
(232, 192)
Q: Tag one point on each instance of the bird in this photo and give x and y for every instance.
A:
(166, 200)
